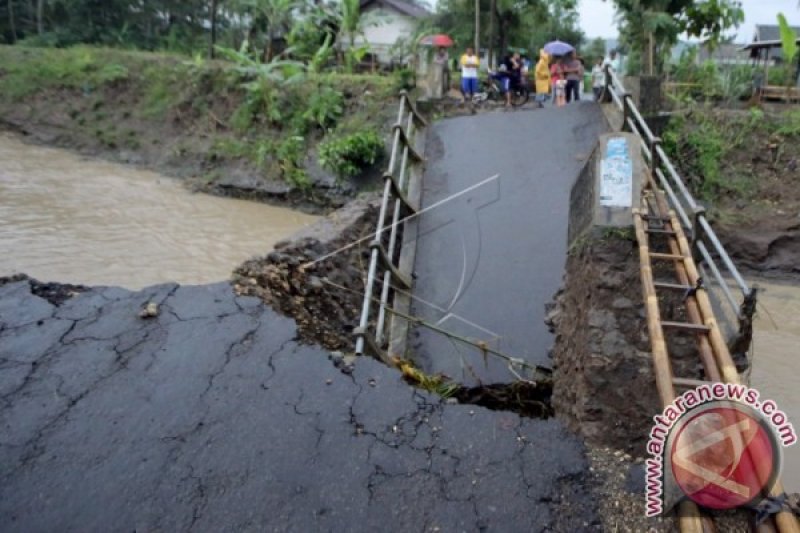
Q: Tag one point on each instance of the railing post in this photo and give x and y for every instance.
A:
(363, 325)
(626, 109)
(654, 158)
(697, 212)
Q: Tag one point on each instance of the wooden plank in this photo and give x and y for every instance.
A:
(666, 257)
(399, 327)
(700, 328)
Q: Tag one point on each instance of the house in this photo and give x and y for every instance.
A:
(726, 54)
(387, 21)
(771, 33)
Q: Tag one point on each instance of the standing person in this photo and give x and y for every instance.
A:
(442, 58)
(556, 77)
(598, 79)
(469, 73)
(514, 68)
(542, 77)
(574, 73)
(611, 61)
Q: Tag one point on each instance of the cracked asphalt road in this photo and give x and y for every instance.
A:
(212, 417)
(491, 259)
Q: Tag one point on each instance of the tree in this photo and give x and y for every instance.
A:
(558, 20)
(275, 15)
(518, 23)
(12, 25)
(213, 37)
(651, 27)
(596, 48)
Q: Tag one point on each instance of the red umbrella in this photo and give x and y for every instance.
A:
(437, 40)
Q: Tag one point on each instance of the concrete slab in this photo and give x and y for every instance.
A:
(488, 261)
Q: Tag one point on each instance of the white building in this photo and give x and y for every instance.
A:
(387, 21)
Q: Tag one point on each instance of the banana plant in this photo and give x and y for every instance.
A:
(789, 45)
(277, 15)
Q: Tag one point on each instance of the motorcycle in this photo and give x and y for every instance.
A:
(492, 90)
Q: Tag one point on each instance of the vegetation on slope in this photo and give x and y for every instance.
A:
(213, 120)
(736, 159)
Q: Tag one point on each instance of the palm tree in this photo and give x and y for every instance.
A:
(277, 15)
(351, 19)
(350, 23)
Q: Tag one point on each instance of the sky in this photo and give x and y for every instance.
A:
(597, 16)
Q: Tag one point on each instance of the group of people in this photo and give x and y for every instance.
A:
(559, 78)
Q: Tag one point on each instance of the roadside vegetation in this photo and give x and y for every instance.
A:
(208, 119)
(744, 164)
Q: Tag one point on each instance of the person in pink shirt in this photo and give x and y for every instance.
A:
(557, 80)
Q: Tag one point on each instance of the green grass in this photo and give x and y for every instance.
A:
(26, 71)
(109, 93)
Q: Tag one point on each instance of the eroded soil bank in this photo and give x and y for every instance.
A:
(744, 165)
(197, 121)
(604, 384)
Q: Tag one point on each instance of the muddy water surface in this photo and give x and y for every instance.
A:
(76, 220)
(776, 361)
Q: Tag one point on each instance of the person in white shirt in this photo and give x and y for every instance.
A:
(611, 61)
(598, 78)
(469, 73)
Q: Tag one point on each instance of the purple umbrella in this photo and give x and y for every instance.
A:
(558, 48)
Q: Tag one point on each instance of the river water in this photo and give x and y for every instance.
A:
(76, 220)
(776, 361)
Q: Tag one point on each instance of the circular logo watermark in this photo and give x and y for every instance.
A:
(719, 445)
(724, 456)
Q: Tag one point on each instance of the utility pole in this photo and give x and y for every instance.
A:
(11, 23)
(213, 42)
(491, 33)
(39, 13)
(478, 28)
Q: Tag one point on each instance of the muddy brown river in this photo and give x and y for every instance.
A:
(776, 361)
(67, 218)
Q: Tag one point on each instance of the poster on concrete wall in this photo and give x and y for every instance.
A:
(616, 175)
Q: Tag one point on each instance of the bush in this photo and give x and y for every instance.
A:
(349, 155)
(289, 153)
(325, 107)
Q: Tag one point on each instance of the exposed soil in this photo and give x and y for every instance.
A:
(757, 213)
(181, 121)
(601, 358)
(323, 297)
(603, 371)
(55, 293)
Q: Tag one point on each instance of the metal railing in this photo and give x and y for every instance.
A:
(709, 252)
(391, 264)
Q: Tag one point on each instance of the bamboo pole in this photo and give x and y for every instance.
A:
(688, 513)
(703, 345)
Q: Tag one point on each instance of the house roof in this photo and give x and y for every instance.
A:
(758, 45)
(771, 32)
(402, 6)
(725, 51)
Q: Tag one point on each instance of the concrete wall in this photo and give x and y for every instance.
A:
(384, 28)
(596, 201)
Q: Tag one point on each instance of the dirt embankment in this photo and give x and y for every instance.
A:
(744, 165)
(602, 363)
(223, 130)
(316, 277)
